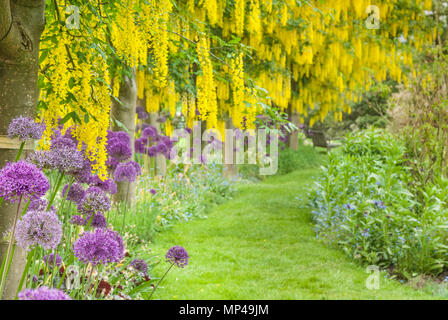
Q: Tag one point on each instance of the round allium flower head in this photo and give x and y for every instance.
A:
(119, 145)
(97, 221)
(113, 187)
(60, 141)
(66, 159)
(152, 151)
(162, 147)
(50, 260)
(75, 194)
(77, 220)
(101, 246)
(149, 132)
(22, 179)
(140, 145)
(107, 185)
(141, 113)
(84, 174)
(25, 128)
(39, 205)
(62, 158)
(39, 227)
(139, 265)
(153, 191)
(178, 256)
(43, 293)
(127, 171)
(94, 201)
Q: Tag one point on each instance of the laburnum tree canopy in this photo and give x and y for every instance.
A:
(220, 59)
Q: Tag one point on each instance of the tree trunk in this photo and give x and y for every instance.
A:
(294, 137)
(19, 65)
(125, 113)
(160, 159)
(230, 169)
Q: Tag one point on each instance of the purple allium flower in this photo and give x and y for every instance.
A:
(161, 147)
(152, 151)
(39, 205)
(64, 159)
(43, 293)
(84, 174)
(22, 179)
(94, 201)
(98, 221)
(153, 191)
(149, 132)
(77, 220)
(106, 185)
(177, 255)
(112, 187)
(50, 260)
(75, 194)
(118, 146)
(100, 246)
(39, 227)
(136, 166)
(25, 128)
(139, 265)
(127, 171)
(141, 113)
(61, 141)
(67, 159)
(140, 145)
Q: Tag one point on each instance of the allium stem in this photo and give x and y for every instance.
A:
(155, 288)
(30, 257)
(19, 153)
(58, 186)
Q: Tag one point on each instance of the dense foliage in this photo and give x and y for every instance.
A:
(364, 203)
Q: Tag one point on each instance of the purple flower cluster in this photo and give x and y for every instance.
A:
(39, 227)
(139, 265)
(94, 201)
(25, 128)
(43, 293)
(75, 194)
(98, 220)
(22, 180)
(101, 246)
(149, 132)
(127, 171)
(141, 113)
(39, 205)
(84, 174)
(118, 148)
(52, 260)
(152, 144)
(62, 158)
(107, 185)
(177, 255)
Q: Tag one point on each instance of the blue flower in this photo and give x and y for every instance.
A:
(348, 206)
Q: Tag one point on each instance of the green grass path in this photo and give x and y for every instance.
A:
(261, 245)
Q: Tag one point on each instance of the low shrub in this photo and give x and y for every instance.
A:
(364, 203)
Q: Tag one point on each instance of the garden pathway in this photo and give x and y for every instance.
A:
(261, 245)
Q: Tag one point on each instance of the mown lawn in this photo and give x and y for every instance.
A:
(261, 245)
